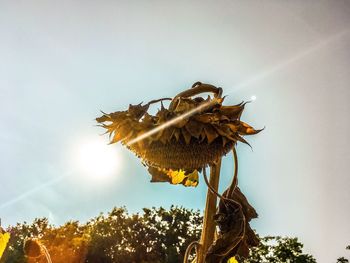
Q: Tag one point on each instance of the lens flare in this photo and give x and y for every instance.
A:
(97, 160)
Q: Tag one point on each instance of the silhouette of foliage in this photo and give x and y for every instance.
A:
(67, 243)
(343, 259)
(156, 235)
(276, 249)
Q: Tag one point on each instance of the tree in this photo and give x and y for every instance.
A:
(342, 259)
(273, 249)
(156, 235)
(66, 244)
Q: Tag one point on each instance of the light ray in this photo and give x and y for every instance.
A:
(173, 121)
(285, 63)
(34, 190)
(261, 75)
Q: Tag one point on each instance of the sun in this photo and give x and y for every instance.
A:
(97, 160)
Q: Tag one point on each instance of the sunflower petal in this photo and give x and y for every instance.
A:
(246, 129)
(239, 138)
(210, 133)
(233, 128)
(192, 179)
(176, 134)
(116, 138)
(187, 136)
(232, 112)
(166, 136)
(194, 128)
(224, 131)
(177, 176)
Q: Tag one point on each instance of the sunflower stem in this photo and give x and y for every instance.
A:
(208, 231)
(46, 253)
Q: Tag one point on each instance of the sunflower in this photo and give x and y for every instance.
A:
(179, 141)
(4, 239)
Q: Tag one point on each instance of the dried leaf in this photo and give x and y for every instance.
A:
(125, 131)
(186, 135)
(116, 138)
(158, 175)
(232, 112)
(233, 127)
(239, 138)
(143, 142)
(176, 134)
(162, 116)
(166, 135)
(184, 105)
(157, 135)
(235, 235)
(224, 131)
(224, 141)
(204, 118)
(246, 129)
(180, 123)
(112, 117)
(211, 117)
(148, 119)
(194, 128)
(210, 133)
(137, 111)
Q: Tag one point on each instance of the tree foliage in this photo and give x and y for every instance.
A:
(276, 249)
(67, 243)
(343, 259)
(156, 235)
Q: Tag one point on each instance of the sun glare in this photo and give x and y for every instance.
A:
(98, 160)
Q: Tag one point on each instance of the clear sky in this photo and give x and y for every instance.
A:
(63, 61)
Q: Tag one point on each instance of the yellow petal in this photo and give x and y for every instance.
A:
(176, 176)
(232, 260)
(192, 179)
(4, 239)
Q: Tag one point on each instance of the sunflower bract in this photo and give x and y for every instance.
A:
(189, 144)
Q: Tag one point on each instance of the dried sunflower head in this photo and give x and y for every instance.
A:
(180, 140)
(32, 248)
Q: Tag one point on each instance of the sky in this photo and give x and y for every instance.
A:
(64, 61)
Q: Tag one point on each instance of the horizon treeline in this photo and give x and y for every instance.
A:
(156, 235)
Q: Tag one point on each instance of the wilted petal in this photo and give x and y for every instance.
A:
(210, 133)
(194, 128)
(186, 135)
